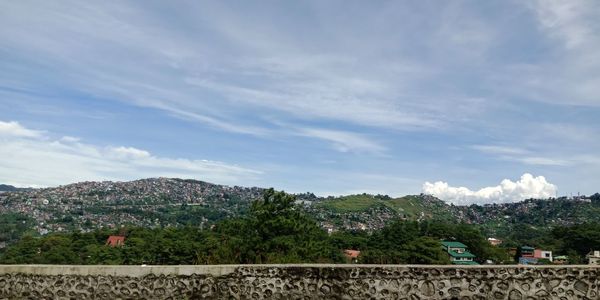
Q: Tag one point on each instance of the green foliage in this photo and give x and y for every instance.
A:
(13, 226)
(402, 242)
(419, 242)
(275, 230)
(352, 203)
(578, 239)
(350, 239)
(407, 207)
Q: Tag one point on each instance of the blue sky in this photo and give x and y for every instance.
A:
(333, 97)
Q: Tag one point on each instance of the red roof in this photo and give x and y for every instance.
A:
(115, 240)
(351, 253)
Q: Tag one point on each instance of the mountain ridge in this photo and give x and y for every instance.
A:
(10, 188)
(159, 202)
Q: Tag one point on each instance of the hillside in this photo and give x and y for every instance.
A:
(368, 212)
(357, 212)
(154, 202)
(160, 202)
(7, 188)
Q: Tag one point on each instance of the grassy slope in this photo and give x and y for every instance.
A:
(352, 203)
(410, 206)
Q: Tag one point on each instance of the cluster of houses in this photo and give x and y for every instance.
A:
(457, 252)
(460, 255)
(532, 256)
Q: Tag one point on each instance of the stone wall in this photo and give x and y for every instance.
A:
(298, 282)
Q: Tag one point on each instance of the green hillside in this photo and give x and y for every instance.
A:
(351, 203)
(409, 207)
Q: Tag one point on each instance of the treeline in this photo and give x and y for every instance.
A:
(277, 231)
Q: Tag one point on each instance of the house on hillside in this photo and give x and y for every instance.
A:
(351, 255)
(526, 257)
(458, 253)
(115, 241)
(542, 254)
(494, 241)
(531, 256)
(593, 257)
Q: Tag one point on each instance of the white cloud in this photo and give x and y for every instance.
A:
(507, 191)
(128, 152)
(70, 139)
(43, 161)
(16, 130)
(247, 64)
(567, 19)
(343, 141)
(569, 76)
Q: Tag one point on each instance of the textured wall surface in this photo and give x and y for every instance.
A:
(299, 282)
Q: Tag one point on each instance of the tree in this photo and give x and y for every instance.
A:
(595, 198)
(275, 231)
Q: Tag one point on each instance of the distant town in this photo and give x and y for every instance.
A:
(87, 207)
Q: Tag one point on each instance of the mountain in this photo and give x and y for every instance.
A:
(7, 188)
(357, 212)
(157, 202)
(369, 212)
(148, 202)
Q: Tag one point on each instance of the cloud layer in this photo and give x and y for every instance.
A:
(507, 191)
(30, 158)
(397, 89)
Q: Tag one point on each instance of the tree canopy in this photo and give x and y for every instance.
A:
(275, 230)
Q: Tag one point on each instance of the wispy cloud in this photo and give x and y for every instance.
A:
(197, 79)
(568, 73)
(495, 149)
(405, 83)
(39, 160)
(14, 129)
(521, 155)
(343, 141)
(542, 157)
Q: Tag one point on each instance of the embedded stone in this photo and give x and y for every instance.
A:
(515, 294)
(581, 286)
(427, 288)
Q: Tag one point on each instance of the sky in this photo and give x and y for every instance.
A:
(471, 101)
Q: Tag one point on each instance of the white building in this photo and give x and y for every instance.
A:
(593, 257)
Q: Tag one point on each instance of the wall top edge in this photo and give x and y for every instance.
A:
(221, 270)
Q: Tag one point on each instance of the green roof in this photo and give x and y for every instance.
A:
(464, 254)
(561, 257)
(527, 248)
(464, 263)
(452, 244)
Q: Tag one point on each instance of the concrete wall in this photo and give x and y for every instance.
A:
(298, 282)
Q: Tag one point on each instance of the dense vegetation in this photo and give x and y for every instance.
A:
(409, 207)
(172, 202)
(13, 226)
(275, 230)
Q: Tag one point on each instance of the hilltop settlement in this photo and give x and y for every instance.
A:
(526, 232)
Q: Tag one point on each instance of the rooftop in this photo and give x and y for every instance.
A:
(463, 254)
(115, 240)
(453, 244)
